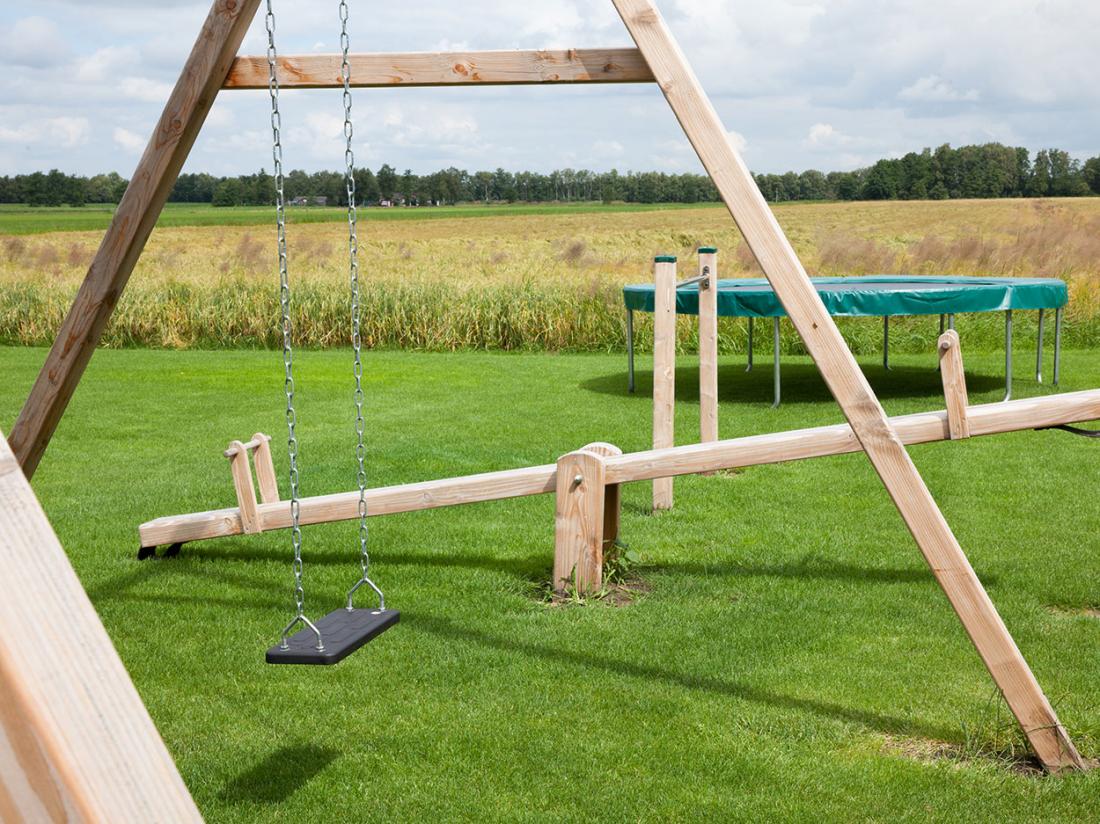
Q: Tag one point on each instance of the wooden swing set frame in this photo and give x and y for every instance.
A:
(83, 746)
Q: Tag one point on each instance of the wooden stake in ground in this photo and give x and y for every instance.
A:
(78, 744)
(708, 345)
(156, 173)
(848, 385)
(664, 368)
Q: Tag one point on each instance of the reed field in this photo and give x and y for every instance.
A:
(536, 279)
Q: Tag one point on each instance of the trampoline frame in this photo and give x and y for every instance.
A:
(947, 321)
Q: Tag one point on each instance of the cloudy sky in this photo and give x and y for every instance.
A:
(827, 84)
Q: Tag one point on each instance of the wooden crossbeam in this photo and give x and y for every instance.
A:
(77, 743)
(848, 385)
(475, 68)
(735, 453)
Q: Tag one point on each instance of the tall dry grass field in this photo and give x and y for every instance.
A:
(536, 282)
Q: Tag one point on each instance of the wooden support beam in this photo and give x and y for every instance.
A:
(133, 220)
(664, 368)
(579, 522)
(954, 384)
(474, 68)
(708, 345)
(848, 385)
(755, 450)
(78, 744)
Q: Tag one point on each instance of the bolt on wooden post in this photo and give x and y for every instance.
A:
(664, 367)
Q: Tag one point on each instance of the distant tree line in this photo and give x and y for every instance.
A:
(987, 171)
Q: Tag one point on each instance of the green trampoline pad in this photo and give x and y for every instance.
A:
(872, 296)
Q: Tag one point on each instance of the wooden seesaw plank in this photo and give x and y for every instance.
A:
(848, 385)
(473, 68)
(798, 444)
(76, 743)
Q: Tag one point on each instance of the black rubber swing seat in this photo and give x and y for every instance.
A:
(342, 632)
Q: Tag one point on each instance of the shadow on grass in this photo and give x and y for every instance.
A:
(864, 718)
(280, 775)
(817, 568)
(801, 383)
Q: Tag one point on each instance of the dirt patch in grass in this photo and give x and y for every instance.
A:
(1088, 612)
(619, 594)
(931, 751)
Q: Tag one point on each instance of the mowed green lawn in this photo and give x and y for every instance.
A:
(17, 219)
(792, 658)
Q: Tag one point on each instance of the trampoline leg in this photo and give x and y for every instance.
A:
(943, 321)
(1008, 354)
(749, 367)
(950, 321)
(1039, 351)
(1057, 345)
(629, 350)
(886, 342)
(775, 336)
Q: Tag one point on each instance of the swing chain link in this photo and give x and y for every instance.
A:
(284, 303)
(356, 336)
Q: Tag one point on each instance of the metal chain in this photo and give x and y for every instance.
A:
(353, 255)
(284, 302)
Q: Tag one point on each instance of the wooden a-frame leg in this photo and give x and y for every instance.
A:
(152, 181)
(848, 385)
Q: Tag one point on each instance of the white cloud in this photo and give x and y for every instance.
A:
(147, 91)
(738, 140)
(33, 41)
(130, 142)
(607, 149)
(872, 78)
(823, 135)
(103, 64)
(934, 89)
(66, 132)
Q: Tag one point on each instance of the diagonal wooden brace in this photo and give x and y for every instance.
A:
(848, 385)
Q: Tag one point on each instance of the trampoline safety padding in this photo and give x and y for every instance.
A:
(883, 296)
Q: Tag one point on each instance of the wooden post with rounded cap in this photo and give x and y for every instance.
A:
(708, 345)
(664, 368)
(586, 518)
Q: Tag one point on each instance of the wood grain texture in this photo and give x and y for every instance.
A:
(612, 506)
(133, 220)
(954, 384)
(242, 484)
(664, 371)
(798, 444)
(708, 348)
(77, 742)
(487, 486)
(474, 68)
(848, 385)
(579, 522)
